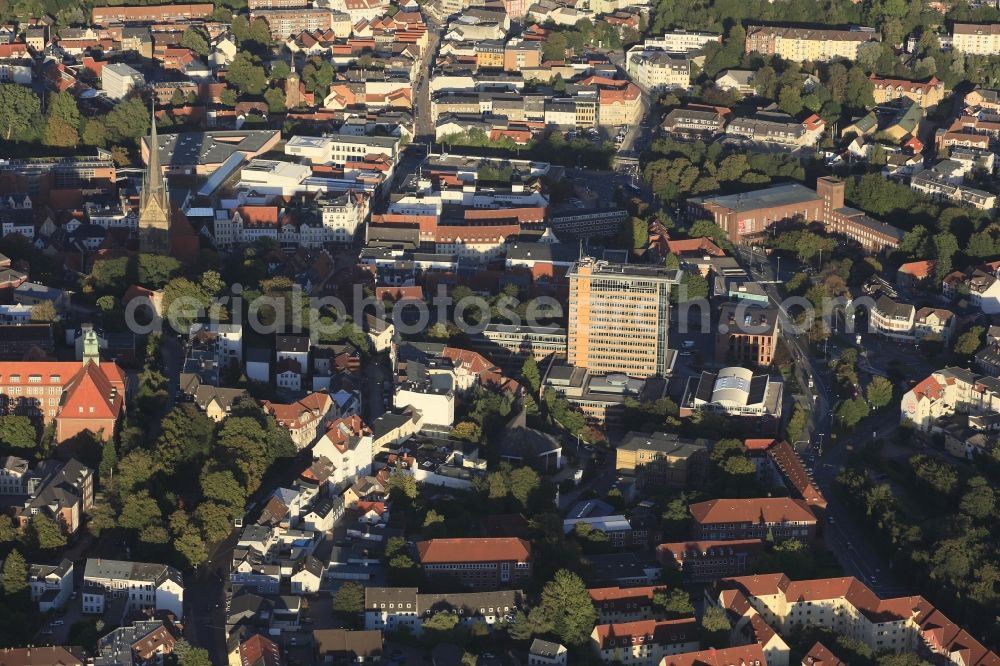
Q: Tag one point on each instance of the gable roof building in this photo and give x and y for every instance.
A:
(777, 518)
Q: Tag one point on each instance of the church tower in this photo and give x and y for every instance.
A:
(154, 203)
(91, 345)
(293, 93)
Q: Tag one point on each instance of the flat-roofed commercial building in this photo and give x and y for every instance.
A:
(747, 215)
(520, 342)
(620, 318)
(735, 392)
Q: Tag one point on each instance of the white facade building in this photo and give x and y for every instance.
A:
(144, 586)
(118, 80)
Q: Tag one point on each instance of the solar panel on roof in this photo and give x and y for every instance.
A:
(706, 385)
(758, 387)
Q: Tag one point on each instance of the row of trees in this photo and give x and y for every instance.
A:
(62, 126)
(676, 170)
(950, 546)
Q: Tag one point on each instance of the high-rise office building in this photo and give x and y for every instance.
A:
(618, 316)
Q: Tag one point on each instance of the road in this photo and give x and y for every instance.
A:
(423, 125)
(844, 536)
(205, 589)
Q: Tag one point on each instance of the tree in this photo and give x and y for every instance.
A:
(968, 343)
(44, 533)
(155, 270)
(850, 412)
(228, 98)
(280, 70)
(349, 599)
(19, 109)
(945, 248)
(401, 484)
(7, 531)
(555, 47)
(59, 133)
(247, 74)
(106, 303)
(715, 626)
(191, 547)
(674, 604)
(470, 431)
(223, 487)
(188, 655)
(901, 659)
(186, 434)
(62, 106)
(134, 470)
(138, 511)
(18, 432)
(44, 311)
(183, 302)
(531, 375)
(110, 274)
(441, 627)
(275, 98)
(94, 133)
(109, 459)
(566, 606)
(879, 392)
(858, 91)
(693, 287)
(259, 32)
(790, 100)
(797, 425)
(524, 481)
(15, 573)
(317, 76)
(216, 521)
(101, 517)
(128, 121)
(194, 38)
(979, 501)
(634, 234)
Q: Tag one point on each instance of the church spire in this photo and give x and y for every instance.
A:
(154, 202)
(154, 174)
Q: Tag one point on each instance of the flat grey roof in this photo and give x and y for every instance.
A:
(209, 147)
(785, 194)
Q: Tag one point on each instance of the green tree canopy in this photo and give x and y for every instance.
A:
(18, 432)
(674, 604)
(246, 73)
(128, 121)
(879, 392)
(349, 599)
(715, 627)
(565, 606)
(19, 111)
(15, 573)
(44, 533)
(969, 342)
(196, 39)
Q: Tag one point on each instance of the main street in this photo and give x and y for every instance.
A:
(844, 535)
(423, 124)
